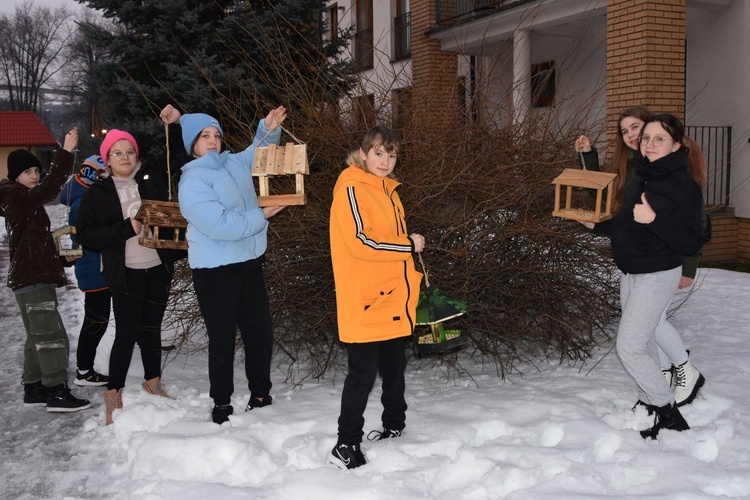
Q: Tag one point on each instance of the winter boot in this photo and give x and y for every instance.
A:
(667, 417)
(112, 402)
(154, 387)
(258, 403)
(347, 456)
(688, 382)
(60, 400)
(34, 393)
(220, 413)
(385, 434)
(649, 408)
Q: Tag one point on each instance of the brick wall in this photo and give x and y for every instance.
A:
(645, 57)
(743, 240)
(724, 233)
(434, 74)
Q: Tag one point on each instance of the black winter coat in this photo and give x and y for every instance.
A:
(100, 225)
(34, 259)
(677, 230)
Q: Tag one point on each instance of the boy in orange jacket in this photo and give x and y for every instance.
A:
(377, 289)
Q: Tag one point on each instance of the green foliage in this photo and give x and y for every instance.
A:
(209, 57)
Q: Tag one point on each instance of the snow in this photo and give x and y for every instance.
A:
(558, 431)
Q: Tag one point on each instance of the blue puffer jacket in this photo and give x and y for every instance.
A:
(217, 198)
(88, 268)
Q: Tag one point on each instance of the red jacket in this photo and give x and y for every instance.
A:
(377, 285)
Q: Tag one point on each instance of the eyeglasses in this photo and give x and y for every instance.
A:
(655, 141)
(119, 155)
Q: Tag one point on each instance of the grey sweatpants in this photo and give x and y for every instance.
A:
(643, 299)
(45, 353)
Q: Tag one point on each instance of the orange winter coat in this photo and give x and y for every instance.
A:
(377, 285)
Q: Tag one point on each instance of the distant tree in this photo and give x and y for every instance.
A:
(79, 78)
(32, 42)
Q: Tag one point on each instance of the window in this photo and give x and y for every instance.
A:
(402, 106)
(363, 39)
(543, 84)
(402, 31)
(333, 22)
(463, 102)
(364, 112)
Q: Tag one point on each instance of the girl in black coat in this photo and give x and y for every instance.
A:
(658, 225)
(139, 277)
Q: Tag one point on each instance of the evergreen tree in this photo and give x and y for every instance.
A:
(231, 59)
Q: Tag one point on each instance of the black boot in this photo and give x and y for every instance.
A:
(667, 417)
(34, 393)
(59, 399)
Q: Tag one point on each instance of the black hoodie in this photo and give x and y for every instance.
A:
(674, 233)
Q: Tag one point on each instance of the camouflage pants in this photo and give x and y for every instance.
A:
(45, 354)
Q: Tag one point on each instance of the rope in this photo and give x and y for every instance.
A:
(169, 170)
(70, 187)
(424, 271)
(285, 130)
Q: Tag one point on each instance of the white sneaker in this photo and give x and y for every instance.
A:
(688, 381)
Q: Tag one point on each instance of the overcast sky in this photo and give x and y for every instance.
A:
(8, 6)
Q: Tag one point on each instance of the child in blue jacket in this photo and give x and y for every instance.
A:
(90, 279)
(226, 245)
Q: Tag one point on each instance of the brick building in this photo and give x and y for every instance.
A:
(579, 62)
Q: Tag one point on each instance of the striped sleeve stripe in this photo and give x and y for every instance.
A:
(360, 227)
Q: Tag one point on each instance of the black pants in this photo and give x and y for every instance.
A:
(235, 296)
(138, 317)
(96, 308)
(366, 361)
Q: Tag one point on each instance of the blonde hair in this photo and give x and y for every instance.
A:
(375, 137)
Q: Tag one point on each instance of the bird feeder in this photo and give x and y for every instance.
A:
(163, 226)
(433, 309)
(270, 161)
(66, 245)
(571, 178)
(162, 223)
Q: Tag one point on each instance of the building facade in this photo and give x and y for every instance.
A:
(575, 62)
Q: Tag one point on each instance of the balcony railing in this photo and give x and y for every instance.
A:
(716, 143)
(402, 36)
(363, 48)
(450, 11)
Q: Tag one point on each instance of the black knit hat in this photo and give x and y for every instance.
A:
(20, 160)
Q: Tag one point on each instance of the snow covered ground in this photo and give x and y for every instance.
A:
(552, 431)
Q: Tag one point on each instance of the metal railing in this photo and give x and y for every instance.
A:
(449, 10)
(716, 143)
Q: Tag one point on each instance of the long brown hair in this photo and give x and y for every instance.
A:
(622, 154)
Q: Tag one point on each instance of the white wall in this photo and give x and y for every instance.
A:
(385, 76)
(718, 83)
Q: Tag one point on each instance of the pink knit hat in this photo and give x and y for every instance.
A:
(112, 137)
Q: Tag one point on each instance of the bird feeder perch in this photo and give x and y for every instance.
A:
(272, 160)
(571, 178)
(66, 245)
(163, 225)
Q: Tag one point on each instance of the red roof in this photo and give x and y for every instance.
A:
(24, 129)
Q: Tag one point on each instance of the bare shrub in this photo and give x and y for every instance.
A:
(536, 286)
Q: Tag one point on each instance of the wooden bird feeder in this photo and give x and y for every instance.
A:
(585, 179)
(66, 246)
(163, 225)
(290, 159)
